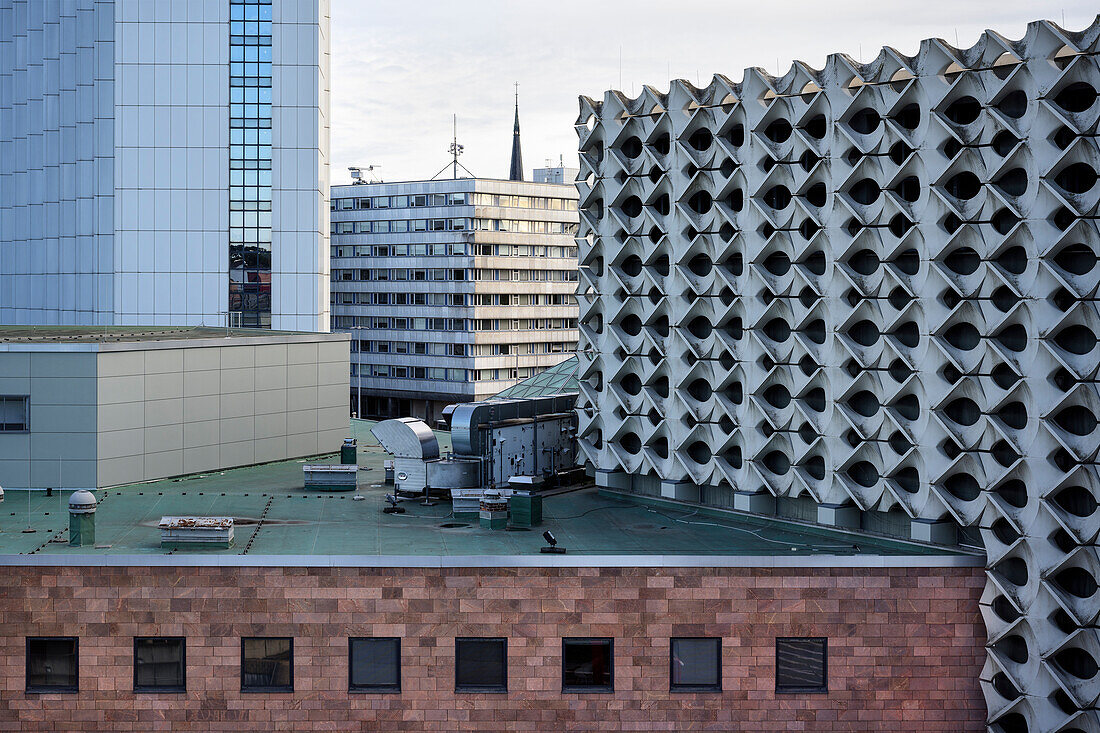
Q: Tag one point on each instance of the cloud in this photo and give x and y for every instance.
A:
(400, 70)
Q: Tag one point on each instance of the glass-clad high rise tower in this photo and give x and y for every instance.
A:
(164, 163)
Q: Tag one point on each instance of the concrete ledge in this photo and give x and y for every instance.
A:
(497, 561)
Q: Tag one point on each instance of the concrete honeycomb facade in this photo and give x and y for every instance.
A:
(870, 287)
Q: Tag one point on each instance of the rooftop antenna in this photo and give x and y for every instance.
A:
(455, 150)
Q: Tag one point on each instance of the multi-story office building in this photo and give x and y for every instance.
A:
(866, 296)
(453, 289)
(164, 162)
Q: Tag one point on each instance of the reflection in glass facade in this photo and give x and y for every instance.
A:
(250, 162)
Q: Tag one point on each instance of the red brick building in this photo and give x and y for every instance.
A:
(904, 641)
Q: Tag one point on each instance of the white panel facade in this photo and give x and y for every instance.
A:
(868, 290)
(115, 169)
(57, 161)
(299, 166)
(172, 146)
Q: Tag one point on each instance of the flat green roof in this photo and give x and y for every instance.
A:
(311, 523)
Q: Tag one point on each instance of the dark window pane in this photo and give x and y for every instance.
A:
(159, 664)
(267, 664)
(800, 665)
(481, 664)
(587, 664)
(696, 663)
(52, 663)
(375, 664)
(13, 414)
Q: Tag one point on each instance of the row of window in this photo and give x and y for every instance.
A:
(407, 372)
(453, 199)
(453, 248)
(438, 349)
(485, 274)
(374, 664)
(452, 299)
(400, 226)
(439, 373)
(460, 198)
(387, 323)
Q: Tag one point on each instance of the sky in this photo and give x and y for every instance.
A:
(401, 69)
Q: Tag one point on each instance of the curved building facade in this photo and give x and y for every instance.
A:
(865, 296)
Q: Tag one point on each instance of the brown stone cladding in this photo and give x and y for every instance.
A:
(905, 646)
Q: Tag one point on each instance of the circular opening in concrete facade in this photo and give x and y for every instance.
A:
(632, 266)
(699, 452)
(1077, 582)
(1076, 178)
(1013, 570)
(865, 191)
(865, 121)
(1076, 97)
(963, 186)
(700, 202)
(1077, 500)
(777, 462)
(1076, 419)
(701, 139)
(864, 473)
(963, 110)
(963, 486)
(632, 147)
(1076, 339)
(778, 131)
(777, 263)
(631, 384)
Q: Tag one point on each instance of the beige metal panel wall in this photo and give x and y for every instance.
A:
(60, 448)
(167, 412)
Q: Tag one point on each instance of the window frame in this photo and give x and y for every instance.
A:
(679, 687)
(289, 687)
(26, 400)
(46, 689)
(804, 689)
(183, 665)
(490, 689)
(373, 689)
(610, 686)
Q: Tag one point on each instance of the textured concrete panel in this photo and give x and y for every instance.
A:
(870, 287)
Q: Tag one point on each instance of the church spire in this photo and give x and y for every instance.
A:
(516, 171)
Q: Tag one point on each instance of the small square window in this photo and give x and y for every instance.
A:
(159, 664)
(13, 414)
(481, 665)
(801, 664)
(587, 665)
(696, 665)
(267, 664)
(374, 665)
(52, 664)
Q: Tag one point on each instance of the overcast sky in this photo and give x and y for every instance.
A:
(400, 69)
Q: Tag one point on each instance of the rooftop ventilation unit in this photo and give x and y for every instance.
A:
(196, 532)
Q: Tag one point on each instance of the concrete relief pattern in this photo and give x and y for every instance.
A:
(873, 285)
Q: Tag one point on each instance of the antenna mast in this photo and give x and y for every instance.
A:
(455, 150)
(454, 146)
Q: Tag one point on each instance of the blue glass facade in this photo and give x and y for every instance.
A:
(250, 162)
